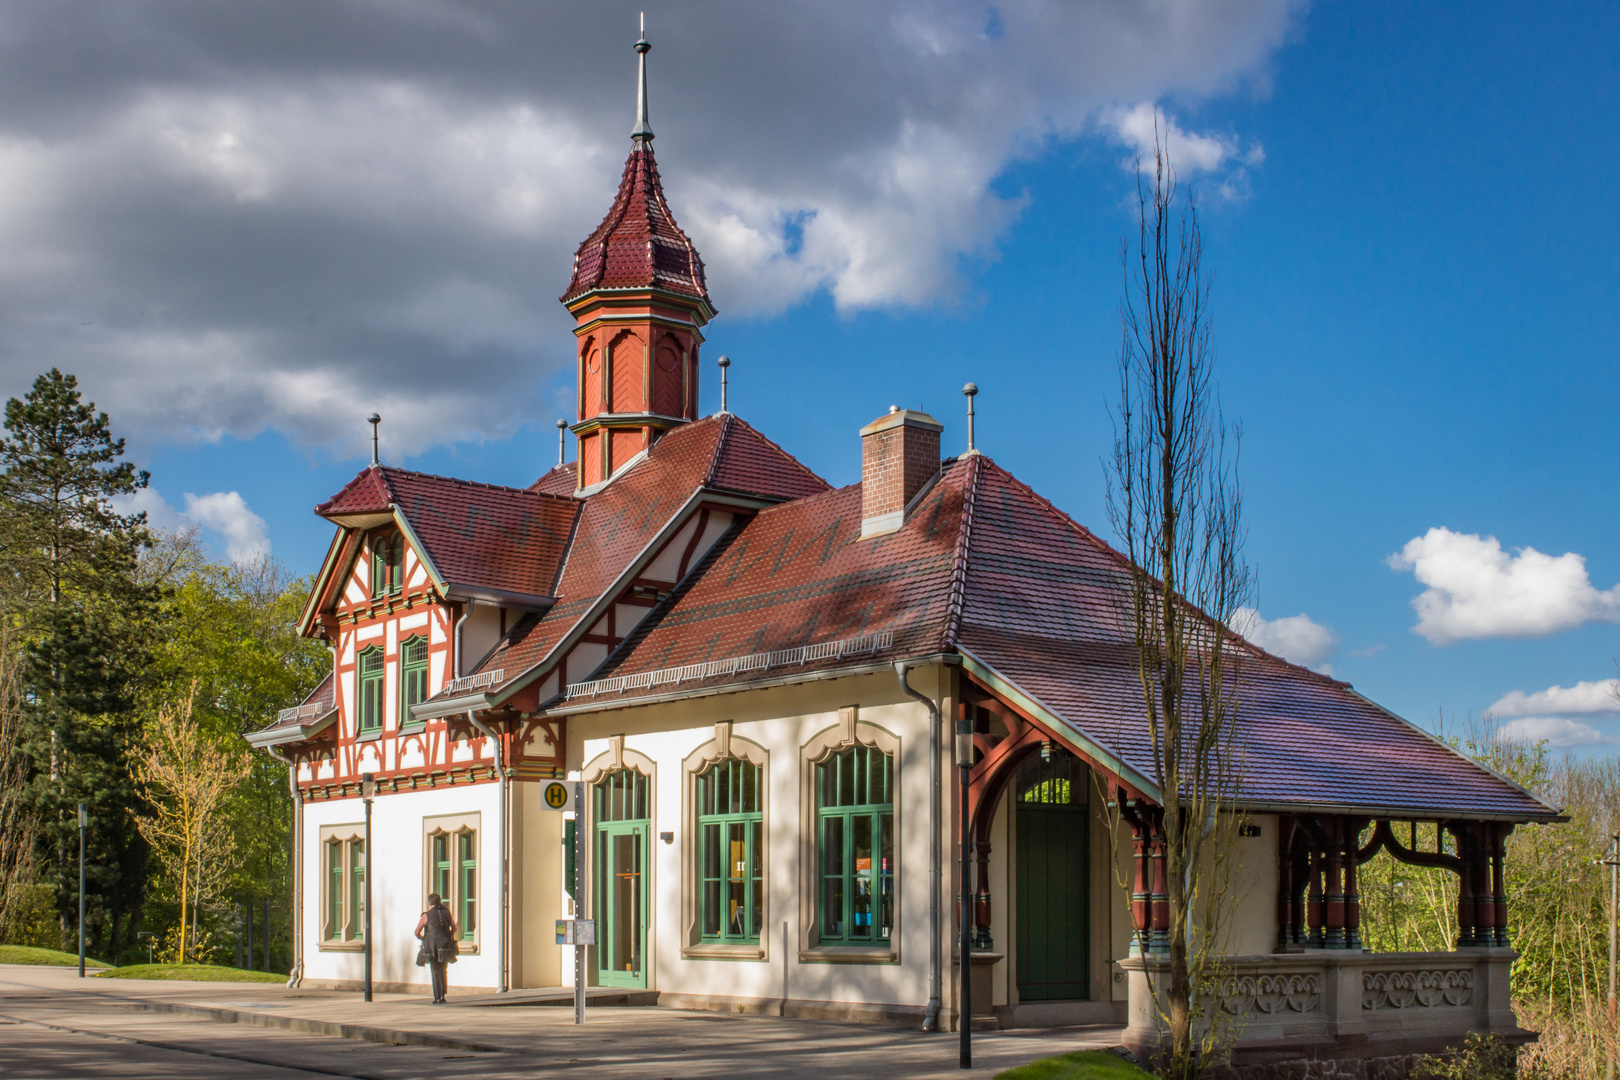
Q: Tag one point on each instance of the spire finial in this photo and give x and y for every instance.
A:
(724, 362)
(374, 420)
(642, 135)
(562, 445)
(970, 391)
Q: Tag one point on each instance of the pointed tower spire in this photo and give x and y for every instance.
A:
(642, 134)
(639, 302)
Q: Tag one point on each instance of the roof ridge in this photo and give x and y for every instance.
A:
(1130, 567)
(718, 448)
(774, 445)
(475, 483)
(959, 559)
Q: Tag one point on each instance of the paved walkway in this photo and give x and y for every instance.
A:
(55, 1024)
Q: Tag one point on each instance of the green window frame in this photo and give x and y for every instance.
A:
(334, 890)
(372, 669)
(357, 890)
(413, 676)
(730, 823)
(387, 565)
(855, 839)
(467, 882)
(453, 864)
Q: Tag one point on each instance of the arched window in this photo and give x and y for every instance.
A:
(387, 564)
(855, 834)
(371, 690)
(730, 819)
(413, 676)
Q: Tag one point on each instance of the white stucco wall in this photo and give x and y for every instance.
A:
(399, 884)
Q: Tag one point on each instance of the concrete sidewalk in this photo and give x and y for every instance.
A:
(629, 1041)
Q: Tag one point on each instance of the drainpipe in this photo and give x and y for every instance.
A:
(456, 660)
(500, 770)
(931, 1016)
(296, 972)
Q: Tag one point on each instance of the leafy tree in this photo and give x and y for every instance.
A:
(231, 633)
(68, 581)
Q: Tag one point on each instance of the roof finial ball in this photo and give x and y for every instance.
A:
(562, 445)
(724, 362)
(970, 391)
(374, 420)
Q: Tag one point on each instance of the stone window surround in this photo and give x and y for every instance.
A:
(723, 746)
(619, 756)
(452, 825)
(849, 731)
(346, 834)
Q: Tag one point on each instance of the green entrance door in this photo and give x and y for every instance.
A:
(621, 878)
(1053, 879)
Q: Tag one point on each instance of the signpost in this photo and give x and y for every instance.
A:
(569, 797)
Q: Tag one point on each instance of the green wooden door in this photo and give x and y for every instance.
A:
(1054, 875)
(621, 879)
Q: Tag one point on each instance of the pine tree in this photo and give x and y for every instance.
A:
(68, 582)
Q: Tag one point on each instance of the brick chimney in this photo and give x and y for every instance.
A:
(899, 456)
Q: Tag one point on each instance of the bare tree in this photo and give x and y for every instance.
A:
(1175, 503)
(186, 777)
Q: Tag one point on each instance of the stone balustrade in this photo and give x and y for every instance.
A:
(1337, 1004)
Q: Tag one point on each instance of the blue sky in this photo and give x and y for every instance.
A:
(1414, 312)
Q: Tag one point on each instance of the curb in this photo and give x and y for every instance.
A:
(358, 1032)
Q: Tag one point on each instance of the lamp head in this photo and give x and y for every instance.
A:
(368, 786)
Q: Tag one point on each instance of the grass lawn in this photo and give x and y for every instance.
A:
(1082, 1065)
(192, 973)
(26, 954)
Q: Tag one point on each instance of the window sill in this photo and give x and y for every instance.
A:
(415, 727)
(369, 736)
(850, 954)
(343, 946)
(720, 950)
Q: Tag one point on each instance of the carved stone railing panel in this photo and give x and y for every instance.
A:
(1416, 989)
(1271, 994)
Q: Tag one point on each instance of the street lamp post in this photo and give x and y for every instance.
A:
(83, 826)
(368, 789)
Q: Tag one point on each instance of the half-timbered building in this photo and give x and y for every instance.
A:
(757, 677)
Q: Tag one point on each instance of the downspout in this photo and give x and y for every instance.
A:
(455, 662)
(500, 770)
(295, 974)
(931, 1015)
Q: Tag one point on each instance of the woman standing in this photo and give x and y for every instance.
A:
(437, 931)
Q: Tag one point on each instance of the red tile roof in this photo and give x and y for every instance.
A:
(638, 245)
(559, 480)
(476, 535)
(986, 566)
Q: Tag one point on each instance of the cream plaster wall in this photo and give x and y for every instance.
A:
(782, 721)
(399, 884)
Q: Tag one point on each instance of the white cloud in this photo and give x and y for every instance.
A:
(224, 513)
(1557, 732)
(1296, 638)
(1189, 152)
(1582, 698)
(1477, 590)
(222, 226)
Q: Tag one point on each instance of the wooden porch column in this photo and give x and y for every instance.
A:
(1160, 901)
(1352, 886)
(1313, 905)
(1466, 882)
(1285, 882)
(1333, 898)
(1150, 898)
(1499, 881)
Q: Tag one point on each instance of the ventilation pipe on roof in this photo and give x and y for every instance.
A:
(931, 1016)
(500, 770)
